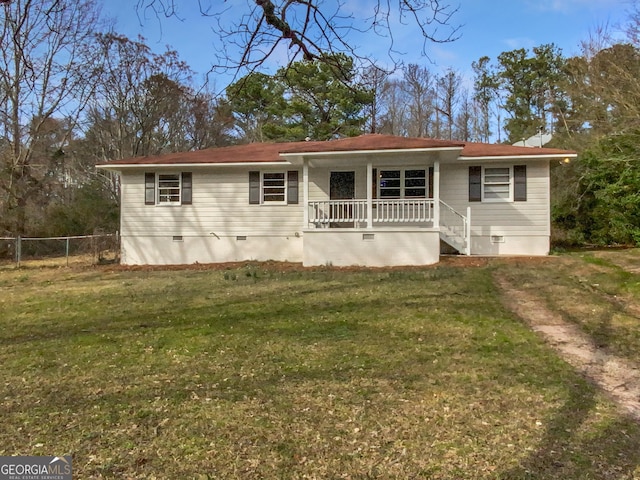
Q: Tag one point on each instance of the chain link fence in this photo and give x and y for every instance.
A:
(61, 251)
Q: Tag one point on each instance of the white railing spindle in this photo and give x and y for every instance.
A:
(324, 212)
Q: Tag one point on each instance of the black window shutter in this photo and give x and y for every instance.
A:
(187, 188)
(254, 188)
(520, 183)
(292, 187)
(430, 182)
(475, 184)
(149, 188)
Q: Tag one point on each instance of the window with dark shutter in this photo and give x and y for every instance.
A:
(496, 184)
(520, 183)
(187, 188)
(149, 188)
(169, 188)
(292, 187)
(254, 188)
(475, 184)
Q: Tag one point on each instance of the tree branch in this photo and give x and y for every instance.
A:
(312, 29)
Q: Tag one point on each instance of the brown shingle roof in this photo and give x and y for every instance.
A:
(253, 152)
(492, 150)
(270, 152)
(369, 142)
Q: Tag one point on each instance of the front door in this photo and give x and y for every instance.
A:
(342, 186)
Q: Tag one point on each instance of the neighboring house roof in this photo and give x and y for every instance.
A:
(272, 152)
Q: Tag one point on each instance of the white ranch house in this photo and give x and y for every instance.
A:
(373, 200)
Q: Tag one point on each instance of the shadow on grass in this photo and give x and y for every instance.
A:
(566, 452)
(127, 313)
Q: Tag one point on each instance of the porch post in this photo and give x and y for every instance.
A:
(468, 231)
(369, 195)
(305, 193)
(436, 194)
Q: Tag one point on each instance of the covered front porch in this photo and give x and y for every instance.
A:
(335, 203)
(384, 232)
(378, 211)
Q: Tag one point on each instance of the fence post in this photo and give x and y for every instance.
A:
(67, 251)
(18, 250)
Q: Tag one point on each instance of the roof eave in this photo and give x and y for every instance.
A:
(369, 152)
(297, 158)
(127, 166)
(552, 156)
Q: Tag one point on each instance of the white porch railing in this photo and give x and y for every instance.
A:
(325, 212)
(403, 211)
(455, 227)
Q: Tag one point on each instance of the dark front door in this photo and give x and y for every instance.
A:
(342, 186)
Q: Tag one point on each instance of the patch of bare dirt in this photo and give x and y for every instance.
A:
(462, 261)
(617, 377)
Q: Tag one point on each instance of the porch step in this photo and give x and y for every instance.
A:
(455, 241)
(455, 228)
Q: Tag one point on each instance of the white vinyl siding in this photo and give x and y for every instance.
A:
(498, 217)
(220, 207)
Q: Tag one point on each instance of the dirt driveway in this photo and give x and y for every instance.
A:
(616, 376)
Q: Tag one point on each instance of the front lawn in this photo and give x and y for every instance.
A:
(260, 371)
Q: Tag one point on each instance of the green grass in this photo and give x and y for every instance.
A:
(264, 372)
(597, 290)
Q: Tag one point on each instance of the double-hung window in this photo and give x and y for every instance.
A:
(273, 187)
(498, 184)
(407, 183)
(168, 188)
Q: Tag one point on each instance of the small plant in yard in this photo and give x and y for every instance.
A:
(261, 371)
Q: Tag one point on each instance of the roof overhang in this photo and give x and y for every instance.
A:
(178, 166)
(511, 158)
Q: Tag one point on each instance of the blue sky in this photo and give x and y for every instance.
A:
(489, 27)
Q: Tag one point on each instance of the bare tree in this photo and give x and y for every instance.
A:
(375, 80)
(419, 86)
(47, 65)
(394, 101)
(141, 101)
(485, 95)
(632, 26)
(464, 118)
(448, 87)
(310, 29)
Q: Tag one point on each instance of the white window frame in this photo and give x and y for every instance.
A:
(403, 185)
(485, 184)
(161, 202)
(263, 187)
